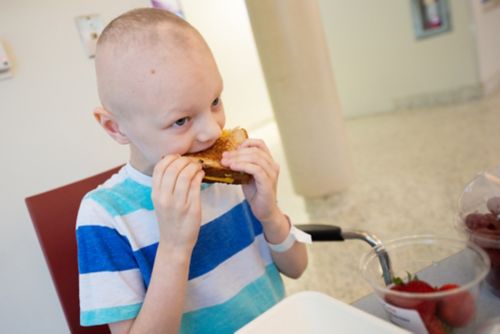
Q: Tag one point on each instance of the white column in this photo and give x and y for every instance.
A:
(294, 57)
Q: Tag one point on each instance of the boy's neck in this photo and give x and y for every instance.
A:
(140, 164)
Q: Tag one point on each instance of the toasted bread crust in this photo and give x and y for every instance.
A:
(210, 158)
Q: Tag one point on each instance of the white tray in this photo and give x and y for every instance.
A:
(315, 312)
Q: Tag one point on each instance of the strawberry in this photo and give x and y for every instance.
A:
(435, 326)
(449, 286)
(426, 308)
(456, 310)
(415, 286)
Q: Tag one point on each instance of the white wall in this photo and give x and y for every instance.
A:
(487, 31)
(48, 136)
(379, 64)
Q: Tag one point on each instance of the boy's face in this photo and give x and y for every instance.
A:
(179, 110)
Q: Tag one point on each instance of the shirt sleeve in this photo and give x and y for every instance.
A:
(111, 285)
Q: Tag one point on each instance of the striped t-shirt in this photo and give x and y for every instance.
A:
(232, 278)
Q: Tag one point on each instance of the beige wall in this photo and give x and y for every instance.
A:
(48, 136)
(487, 31)
(378, 63)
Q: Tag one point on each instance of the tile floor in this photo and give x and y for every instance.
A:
(410, 168)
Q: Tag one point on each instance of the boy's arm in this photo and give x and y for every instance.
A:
(292, 262)
(253, 157)
(162, 307)
(176, 198)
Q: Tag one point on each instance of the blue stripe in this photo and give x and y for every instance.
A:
(248, 304)
(102, 248)
(123, 198)
(217, 241)
(145, 258)
(108, 315)
(222, 238)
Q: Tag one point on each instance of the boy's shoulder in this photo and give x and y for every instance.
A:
(120, 194)
(108, 185)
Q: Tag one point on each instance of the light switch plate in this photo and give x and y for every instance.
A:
(90, 27)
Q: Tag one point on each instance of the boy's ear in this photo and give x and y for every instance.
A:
(110, 124)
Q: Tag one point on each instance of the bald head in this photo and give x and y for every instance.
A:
(137, 48)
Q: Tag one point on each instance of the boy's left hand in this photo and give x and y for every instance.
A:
(253, 157)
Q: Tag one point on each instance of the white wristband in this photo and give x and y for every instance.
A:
(295, 235)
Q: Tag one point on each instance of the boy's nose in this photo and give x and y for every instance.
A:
(209, 130)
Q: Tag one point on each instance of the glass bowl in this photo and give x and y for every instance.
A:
(479, 219)
(452, 270)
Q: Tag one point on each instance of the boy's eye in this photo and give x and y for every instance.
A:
(216, 102)
(182, 121)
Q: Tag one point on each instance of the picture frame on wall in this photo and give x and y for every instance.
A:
(430, 17)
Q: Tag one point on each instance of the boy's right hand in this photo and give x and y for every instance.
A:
(176, 199)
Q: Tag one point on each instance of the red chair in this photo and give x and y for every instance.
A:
(53, 214)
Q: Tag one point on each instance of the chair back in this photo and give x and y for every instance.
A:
(53, 214)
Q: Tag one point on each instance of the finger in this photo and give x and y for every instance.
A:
(169, 180)
(255, 144)
(193, 195)
(257, 171)
(252, 142)
(159, 172)
(184, 181)
(252, 155)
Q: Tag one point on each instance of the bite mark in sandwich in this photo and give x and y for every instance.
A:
(211, 157)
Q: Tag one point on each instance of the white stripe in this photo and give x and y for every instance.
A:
(140, 227)
(219, 199)
(227, 279)
(142, 223)
(90, 213)
(110, 289)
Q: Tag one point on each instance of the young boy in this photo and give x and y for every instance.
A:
(158, 251)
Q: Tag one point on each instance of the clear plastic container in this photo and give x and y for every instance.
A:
(479, 219)
(438, 261)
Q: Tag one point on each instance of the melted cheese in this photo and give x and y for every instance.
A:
(219, 179)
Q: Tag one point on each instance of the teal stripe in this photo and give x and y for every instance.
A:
(108, 315)
(123, 198)
(205, 186)
(230, 316)
(126, 197)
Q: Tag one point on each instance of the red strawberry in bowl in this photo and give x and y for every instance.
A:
(423, 307)
(426, 308)
(456, 310)
(438, 313)
(435, 326)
